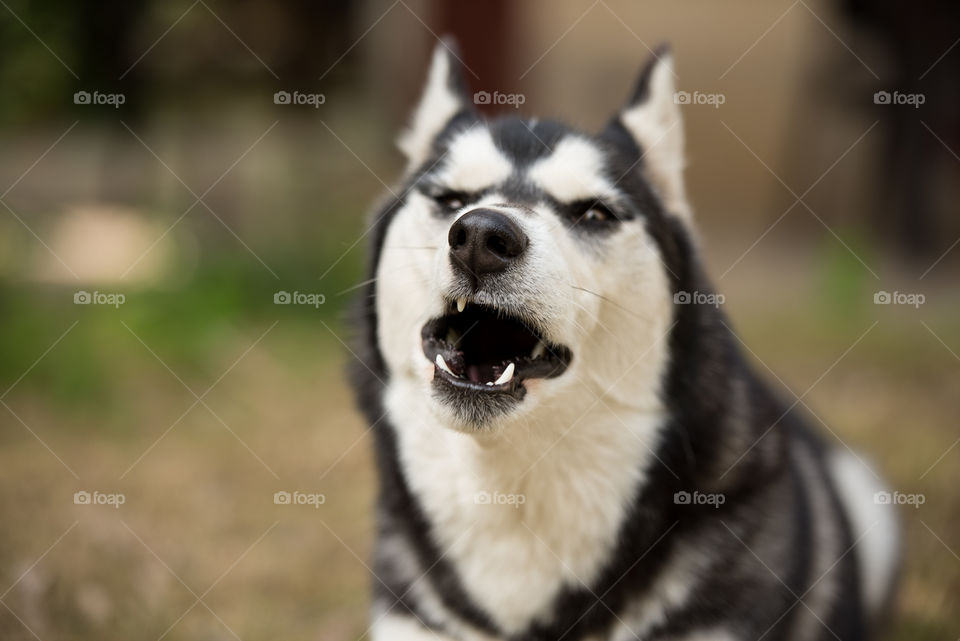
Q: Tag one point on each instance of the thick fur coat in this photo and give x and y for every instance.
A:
(632, 478)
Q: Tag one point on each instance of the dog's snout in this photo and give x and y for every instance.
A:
(485, 241)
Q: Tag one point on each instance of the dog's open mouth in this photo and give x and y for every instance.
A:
(480, 349)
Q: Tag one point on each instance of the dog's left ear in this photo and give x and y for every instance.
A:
(444, 97)
(652, 119)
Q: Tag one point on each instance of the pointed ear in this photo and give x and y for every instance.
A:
(444, 96)
(652, 118)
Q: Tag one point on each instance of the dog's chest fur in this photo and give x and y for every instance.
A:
(574, 474)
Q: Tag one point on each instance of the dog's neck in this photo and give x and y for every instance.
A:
(531, 490)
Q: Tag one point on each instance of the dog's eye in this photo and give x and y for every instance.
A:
(595, 214)
(451, 201)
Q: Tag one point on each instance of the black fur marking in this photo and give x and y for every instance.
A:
(524, 143)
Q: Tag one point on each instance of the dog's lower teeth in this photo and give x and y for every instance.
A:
(442, 364)
(506, 376)
(539, 350)
(452, 336)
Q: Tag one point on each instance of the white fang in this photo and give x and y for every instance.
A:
(506, 376)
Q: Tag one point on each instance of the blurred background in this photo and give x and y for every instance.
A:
(171, 173)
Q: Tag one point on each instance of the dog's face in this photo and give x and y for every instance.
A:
(523, 264)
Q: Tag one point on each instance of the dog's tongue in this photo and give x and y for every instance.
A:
(487, 373)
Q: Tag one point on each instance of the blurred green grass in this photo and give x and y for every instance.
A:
(185, 322)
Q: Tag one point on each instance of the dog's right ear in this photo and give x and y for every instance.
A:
(444, 97)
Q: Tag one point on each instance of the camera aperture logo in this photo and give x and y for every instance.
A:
(699, 98)
(698, 298)
(899, 498)
(897, 98)
(899, 298)
(298, 298)
(299, 98)
(297, 497)
(698, 498)
(83, 297)
(84, 497)
(497, 98)
(97, 98)
(499, 498)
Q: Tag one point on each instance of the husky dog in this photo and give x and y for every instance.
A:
(570, 442)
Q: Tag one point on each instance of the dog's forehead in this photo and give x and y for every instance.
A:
(535, 156)
(472, 161)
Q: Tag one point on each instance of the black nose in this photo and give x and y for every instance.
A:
(484, 241)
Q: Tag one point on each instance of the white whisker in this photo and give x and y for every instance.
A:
(611, 301)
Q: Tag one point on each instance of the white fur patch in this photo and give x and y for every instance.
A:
(407, 295)
(574, 171)
(874, 524)
(473, 162)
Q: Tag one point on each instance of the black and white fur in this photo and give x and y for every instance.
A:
(657, 399)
